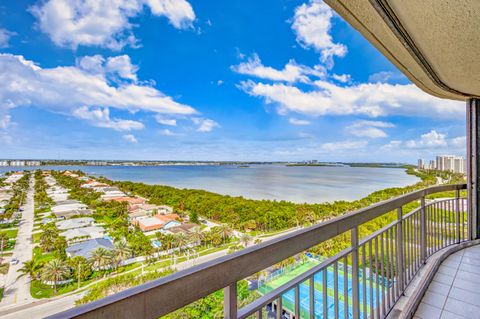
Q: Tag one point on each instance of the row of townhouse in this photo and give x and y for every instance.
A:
(83, 235)
(147, 217)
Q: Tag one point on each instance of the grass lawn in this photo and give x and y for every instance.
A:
(36, 237)
(11, 233)
(39, 290)
(9, 246)
(41, 256)
(9, 225)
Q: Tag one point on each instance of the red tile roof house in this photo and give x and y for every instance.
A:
(167, 218)
(149, 224)
(156, 222)
(129, 200)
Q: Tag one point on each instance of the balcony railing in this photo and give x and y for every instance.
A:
(363, 281)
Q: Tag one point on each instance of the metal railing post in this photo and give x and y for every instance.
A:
(457, 214)
(230, 302)
(423, 231)
(355, 279)
(400, 269)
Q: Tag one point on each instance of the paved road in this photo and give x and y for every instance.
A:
(17, 290)
(40, 309)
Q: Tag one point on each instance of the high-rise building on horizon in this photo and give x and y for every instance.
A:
(452, 163)
(421, 164)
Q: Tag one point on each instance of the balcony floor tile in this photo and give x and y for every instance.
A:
(425, 311)
(450, 315)
(447, 270)
(434, 299)
(462, 308)
(454, 292)
(444, 279)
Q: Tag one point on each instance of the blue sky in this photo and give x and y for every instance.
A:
(207, 80)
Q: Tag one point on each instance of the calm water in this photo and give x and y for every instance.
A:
(296, 184)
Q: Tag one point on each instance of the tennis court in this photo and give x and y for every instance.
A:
(288, 298)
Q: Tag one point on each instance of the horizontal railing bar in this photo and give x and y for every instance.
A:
(164, 295)
(427, 205)
(416, 210)
(376, 233)
(252, 307)
(370, 237)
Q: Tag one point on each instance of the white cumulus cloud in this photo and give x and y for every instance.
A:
(116, 68)
(104, 23)
(296, 121)
(312, 24)
(369, 99)
(101, 118)
(165, 121)
(432, 140)
(370, 129)
(85, 90)
(292, 72)
(205, 125)
(343, 78)
(167, 132)
(130, 138)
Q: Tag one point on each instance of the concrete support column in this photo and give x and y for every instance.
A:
(473, 165)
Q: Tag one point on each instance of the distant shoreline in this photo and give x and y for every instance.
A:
(312, 165)
(202, 163)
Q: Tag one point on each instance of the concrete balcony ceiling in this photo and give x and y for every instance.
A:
(434, 43)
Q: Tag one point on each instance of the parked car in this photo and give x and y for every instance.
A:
(14, 261)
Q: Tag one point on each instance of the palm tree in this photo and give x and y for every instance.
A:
(167, 240)
(224, 231)
(100, 258)
(181, 240)
(54, 271)
(3, 241)
(121, 252)
(149, 254)
(245, 239)
(197, 236)
(30, 267)
(47, 239)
